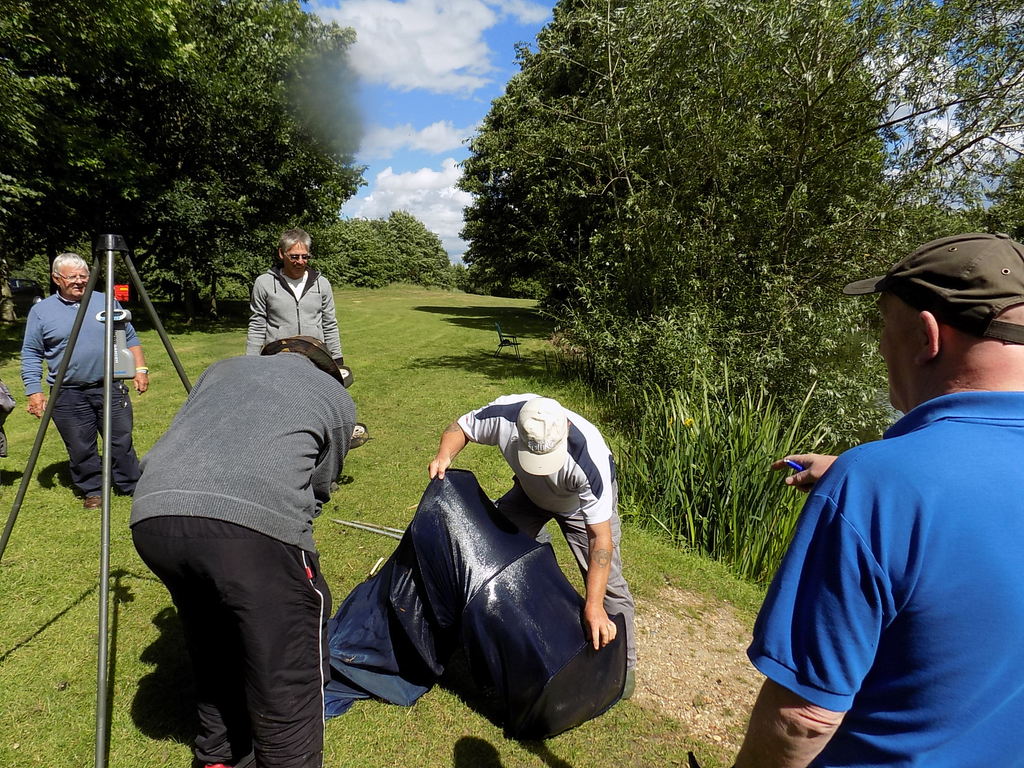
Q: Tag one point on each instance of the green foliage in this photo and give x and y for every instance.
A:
(698, 469)
(181, 124)
(720, 170)
(1007, 213)
(419, 257)
(372, 253)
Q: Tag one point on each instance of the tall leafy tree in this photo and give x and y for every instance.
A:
(1007, 211)
(178, 123)
(419, 256)
(692, 179)
(250, 159)
(372, 253)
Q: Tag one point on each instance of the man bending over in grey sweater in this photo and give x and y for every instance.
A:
(223, 515)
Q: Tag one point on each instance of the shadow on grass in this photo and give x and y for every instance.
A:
(471, 752)
(518, 321)
(164, 704)
(11, 476)
(232, 316)
(484, 361)
(10, 343)
(56, 475)
(46, 625)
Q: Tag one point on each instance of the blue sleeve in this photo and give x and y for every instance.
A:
(818, 631)
(32, 354)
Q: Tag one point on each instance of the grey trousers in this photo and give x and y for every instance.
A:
(517, 507)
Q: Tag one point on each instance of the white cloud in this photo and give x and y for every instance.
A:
(381, 142)
(437, 45)
(524, 11)
(429, 195)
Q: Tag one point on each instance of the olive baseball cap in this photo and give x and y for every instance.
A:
(309, 346)
(964, 280)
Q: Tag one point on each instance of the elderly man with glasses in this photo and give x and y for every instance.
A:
(293, 299)
(78, 412)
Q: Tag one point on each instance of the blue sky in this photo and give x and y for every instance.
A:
(429, 70)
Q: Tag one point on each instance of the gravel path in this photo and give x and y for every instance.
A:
(692, 666)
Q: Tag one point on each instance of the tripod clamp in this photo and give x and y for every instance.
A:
(124, 361)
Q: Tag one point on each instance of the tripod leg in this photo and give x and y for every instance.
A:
(103, 653)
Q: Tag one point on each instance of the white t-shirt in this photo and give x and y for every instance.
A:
(585, 485)
(296, 284)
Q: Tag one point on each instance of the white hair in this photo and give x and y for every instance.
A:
(68, 259)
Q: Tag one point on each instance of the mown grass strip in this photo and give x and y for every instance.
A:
(421, 358)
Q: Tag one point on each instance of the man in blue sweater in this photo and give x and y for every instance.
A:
(78, 412)
(891, 633)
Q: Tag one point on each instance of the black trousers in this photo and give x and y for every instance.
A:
(254, 612)
(78, 414)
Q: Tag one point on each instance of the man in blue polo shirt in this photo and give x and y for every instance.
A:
(563, 471)
(78, 412)
(891, 635)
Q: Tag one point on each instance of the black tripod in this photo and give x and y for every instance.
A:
(106, 246)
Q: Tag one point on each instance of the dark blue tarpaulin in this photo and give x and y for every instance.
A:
(462, 575)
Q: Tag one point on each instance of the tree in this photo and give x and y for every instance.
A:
(693, 181)
(179, 124)
(1007, 211)
(235, 189)
(419, 256)
(372, 253)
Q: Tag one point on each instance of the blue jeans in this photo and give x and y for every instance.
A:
(78, 414)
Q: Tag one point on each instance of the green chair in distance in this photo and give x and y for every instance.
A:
(506, 340)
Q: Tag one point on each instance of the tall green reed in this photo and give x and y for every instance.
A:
(699, 470)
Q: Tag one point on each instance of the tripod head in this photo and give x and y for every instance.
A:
(109, 243)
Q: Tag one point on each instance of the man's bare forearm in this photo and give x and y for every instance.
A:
(785, 730)
(598, 627)
(453, 440)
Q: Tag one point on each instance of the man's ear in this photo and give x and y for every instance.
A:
(930, 338)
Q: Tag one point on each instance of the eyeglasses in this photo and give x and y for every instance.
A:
(74, 278)
(299, 256)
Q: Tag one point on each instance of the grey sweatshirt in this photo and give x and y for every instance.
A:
(277, 314)
(257, 443)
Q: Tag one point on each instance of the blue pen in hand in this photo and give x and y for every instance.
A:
(798, 467)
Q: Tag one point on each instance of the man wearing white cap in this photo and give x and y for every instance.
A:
(563, 471)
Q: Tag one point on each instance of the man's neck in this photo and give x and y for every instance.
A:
(983, 365)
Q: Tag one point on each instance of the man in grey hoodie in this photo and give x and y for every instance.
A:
(223, 515)
(292, 299)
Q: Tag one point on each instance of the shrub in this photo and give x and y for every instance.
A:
(698, 468)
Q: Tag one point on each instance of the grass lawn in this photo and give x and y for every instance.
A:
(420, 358)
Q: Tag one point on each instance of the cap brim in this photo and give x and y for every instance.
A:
(868, 285)
(544, 463)
(308, 347)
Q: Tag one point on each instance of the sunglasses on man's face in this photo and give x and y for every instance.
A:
(299, 256)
